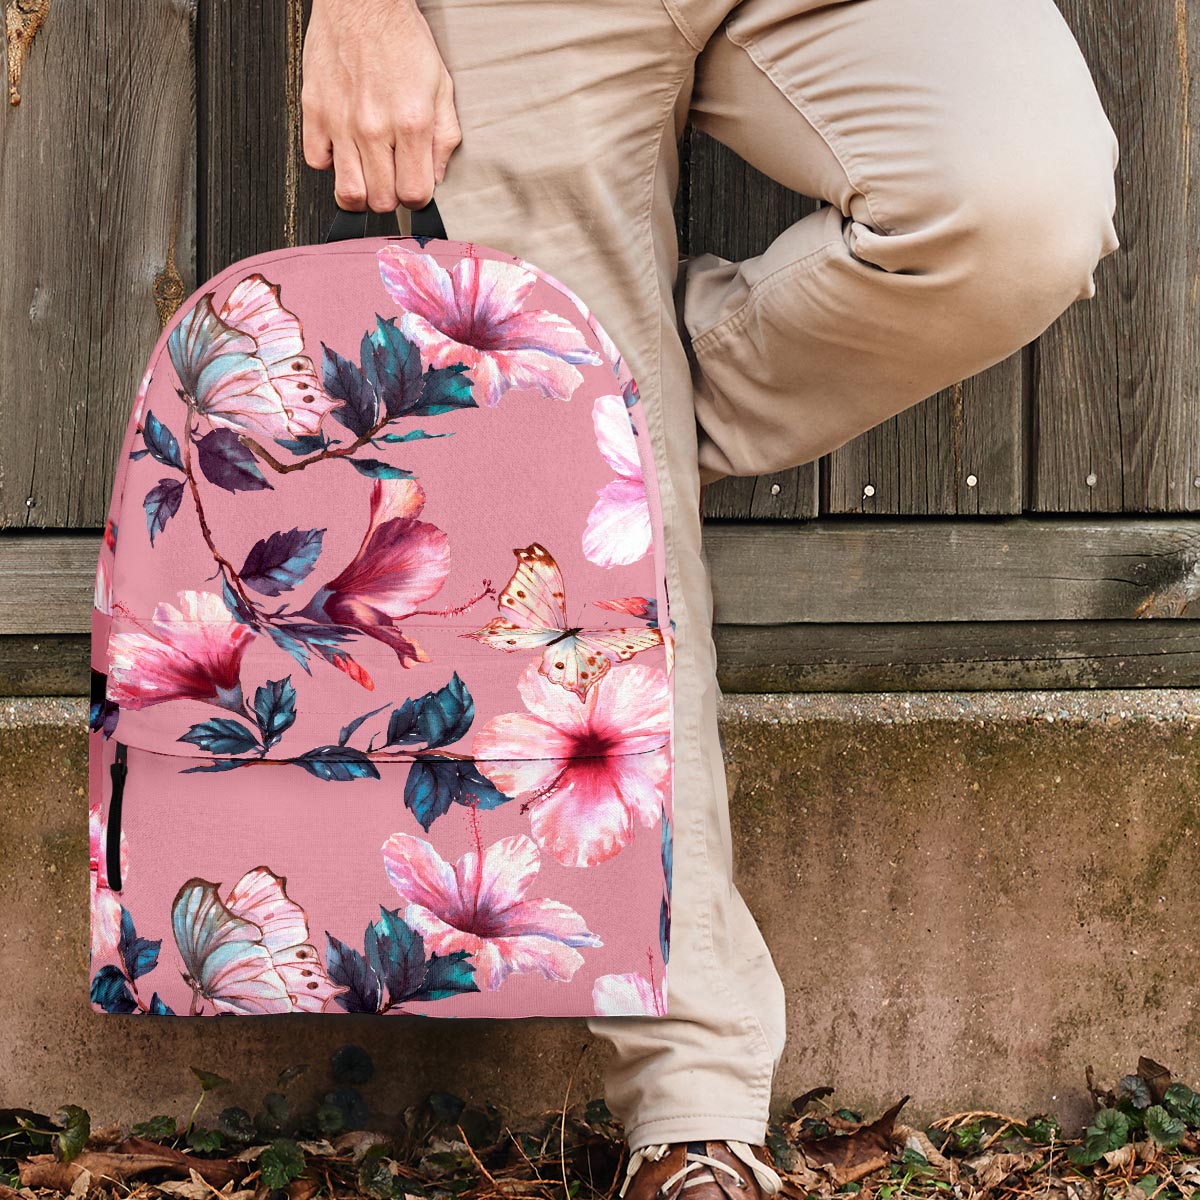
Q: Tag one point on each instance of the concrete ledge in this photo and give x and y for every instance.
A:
(970, 896)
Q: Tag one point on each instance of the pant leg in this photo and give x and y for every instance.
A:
(968, 167)
(570, 116)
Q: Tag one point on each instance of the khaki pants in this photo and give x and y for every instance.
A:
(968, 169)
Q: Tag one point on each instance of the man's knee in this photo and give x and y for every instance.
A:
(1022, 235)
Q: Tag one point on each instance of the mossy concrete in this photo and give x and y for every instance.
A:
(970, 896)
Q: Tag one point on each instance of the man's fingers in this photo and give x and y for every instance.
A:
(318, 149)
(349, 187)
(376, 153)
(414, 169)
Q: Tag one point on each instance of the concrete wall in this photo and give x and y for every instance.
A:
(970, 896)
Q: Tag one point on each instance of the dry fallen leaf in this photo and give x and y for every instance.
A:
(848, 1157)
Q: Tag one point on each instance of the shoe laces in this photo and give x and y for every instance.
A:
(768, 1179)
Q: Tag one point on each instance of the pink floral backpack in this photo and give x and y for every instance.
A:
(382, 658)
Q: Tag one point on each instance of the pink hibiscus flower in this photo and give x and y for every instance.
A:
(193, 652)
(474, 314)
(618, 527)
(479, 905)
(401, 563)
(106, 908)
(587, 769)
(631, 995)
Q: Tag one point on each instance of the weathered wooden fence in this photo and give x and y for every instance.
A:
(1015, 530)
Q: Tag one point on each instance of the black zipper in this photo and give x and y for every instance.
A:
(112, 844)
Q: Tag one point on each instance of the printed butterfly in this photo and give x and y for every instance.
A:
(574, 657)
(244, 368)
(249, 953)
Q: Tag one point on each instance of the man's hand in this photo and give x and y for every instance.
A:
(378, 103)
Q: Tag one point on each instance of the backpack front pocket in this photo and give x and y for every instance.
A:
(432, 854)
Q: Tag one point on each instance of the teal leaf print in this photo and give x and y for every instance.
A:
(435, 783)
(373, 468)
(337, 764)
(161, 444)
(161, 504)
(139, 954)
(281, 562)
(437, 718)
(228, 464)
(275, 709)
(111, 992)
(222, 735)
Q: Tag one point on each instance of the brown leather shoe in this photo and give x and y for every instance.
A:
(700, 1171)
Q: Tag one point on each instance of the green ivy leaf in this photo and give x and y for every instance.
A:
(205, 1141)
(1112, 1126)
(236, 1125)
(75, 1126)
(157, 1129)
(1180, 1101)
(352, 1064)
(330, 1118)
(1165, 1129)
(375, 1173)
(281, 1162)
(1136, 1089)
(1109, 1130)
(209, 1080)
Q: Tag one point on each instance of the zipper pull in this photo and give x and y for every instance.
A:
(112, 846)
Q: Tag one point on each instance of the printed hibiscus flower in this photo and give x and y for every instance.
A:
(479, 905)
(106, 908)
(631, 995)
(193, 652)
(586, 769)
(618, 527)
(243, 365)
(474, 314)
(401, 563)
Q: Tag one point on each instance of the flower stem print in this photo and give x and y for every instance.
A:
(228, 572)
(417, 733)
(393, 971)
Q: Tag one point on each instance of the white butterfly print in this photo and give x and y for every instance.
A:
(535, 601)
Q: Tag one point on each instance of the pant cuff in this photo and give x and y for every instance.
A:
(697, 1127)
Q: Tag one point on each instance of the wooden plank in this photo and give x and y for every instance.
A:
(951, 656)
(1009, 569)
(97, 198)
(1118, 382)
(46, 583)
(957, 656)
(959, 452)
(54, 665)
(842, 572)
(721, 190)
